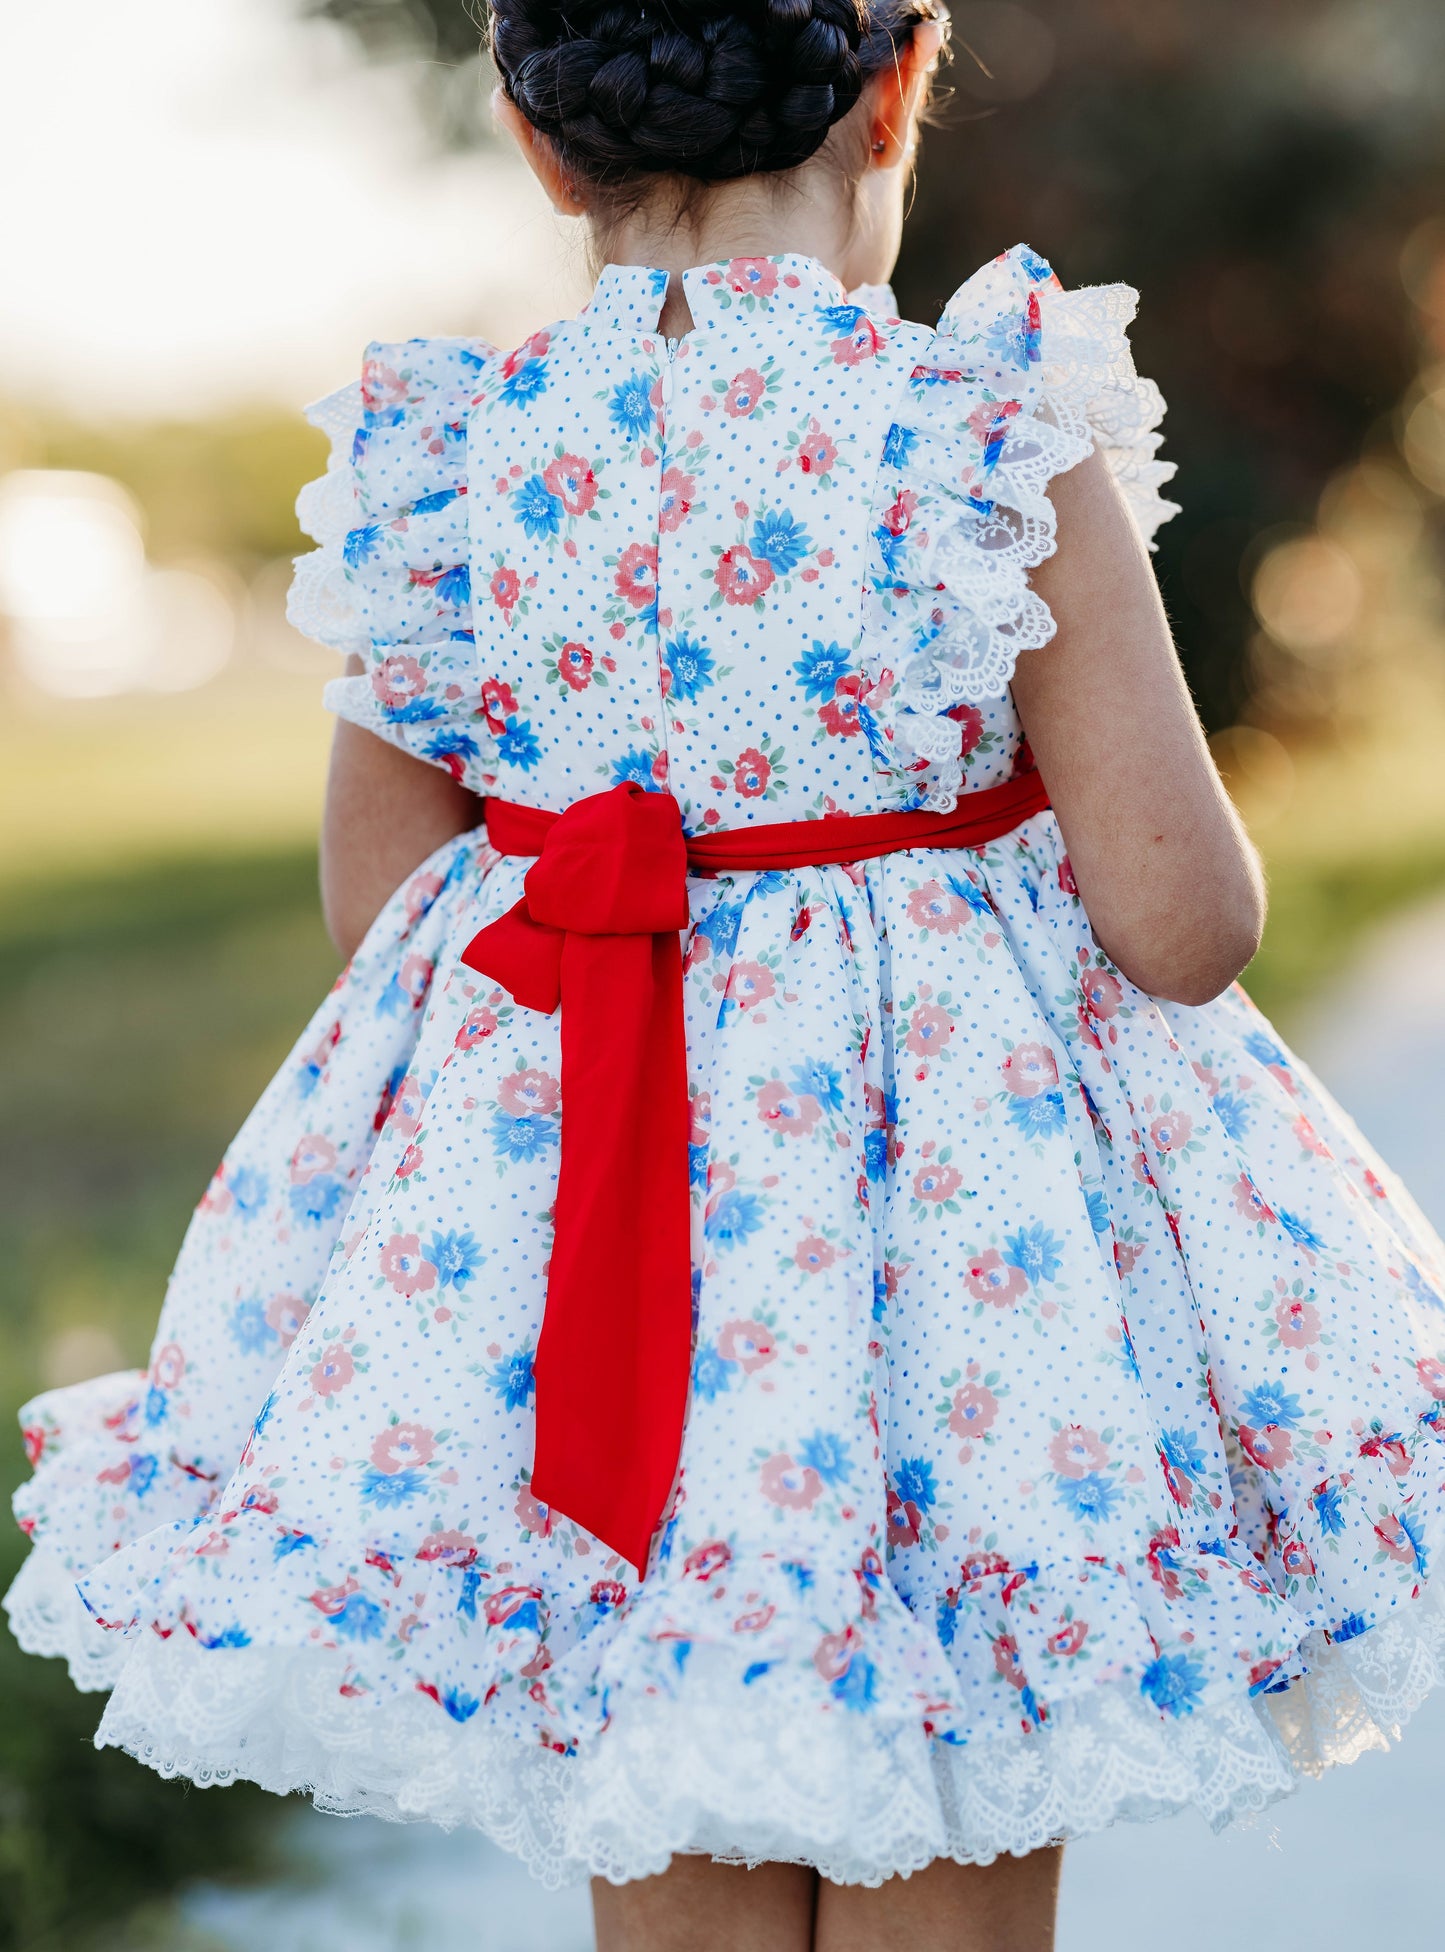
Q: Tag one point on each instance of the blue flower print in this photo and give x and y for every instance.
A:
(630, 407)
(248, 1188)
(839, 321)
(360, 546)
(1301, 1232)
(946, 1620)
(1421, 1289)
(1271, 1403)
(358, 1619)
(736, 1215)
(880, 1295)
(635, 765)
(915, 1483)
(517, 744)
(1039, 269)
(712, 1373)
(819, 670)
(817, 1079)
(143, 1468)
(446, 747)
(1350, 1628)
(157, 1406)
(387, 1489)
(875, 1154)
(1182, 1453)
(1232, 1113)
(456, 586)
(250, 1331)
(1039, 1117)
(1263, 1049)
(537, 509)
(511, 1378)
(1035, 1252)
(1098, 1210)
(779, 540)
(526, 383)
(899, 444)
(524, 1138)
(1174, 1683)
(1328, 1509)
(291, 1542)
(893, 548)
(856, 1687)
(828, 1456)
(690, 667)
(460, 1705)
(1091, 1499)
(317, 1199)
(969, 891)
(456, 1257)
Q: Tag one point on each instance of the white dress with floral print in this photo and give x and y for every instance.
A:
(1064, 1433)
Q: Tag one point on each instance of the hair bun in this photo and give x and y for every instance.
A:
(702, 88)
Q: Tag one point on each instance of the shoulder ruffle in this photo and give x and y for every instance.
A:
(1021, 381)
(391, 580)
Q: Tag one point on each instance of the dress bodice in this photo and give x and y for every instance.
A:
(778, 566)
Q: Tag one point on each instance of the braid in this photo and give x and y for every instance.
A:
(708, 89)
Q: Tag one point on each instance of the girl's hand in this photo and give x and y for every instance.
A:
(1171, 882)
(385, 812)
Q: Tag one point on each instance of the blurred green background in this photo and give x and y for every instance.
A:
(1271, 176)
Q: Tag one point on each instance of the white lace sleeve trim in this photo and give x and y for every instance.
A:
(1021, 382)
(323, 603)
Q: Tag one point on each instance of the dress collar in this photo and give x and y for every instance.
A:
(629, 297)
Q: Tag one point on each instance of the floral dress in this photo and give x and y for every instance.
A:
(1064, 1440)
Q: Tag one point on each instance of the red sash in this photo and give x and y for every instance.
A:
(598, 931)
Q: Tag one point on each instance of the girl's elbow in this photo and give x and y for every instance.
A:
(1206, 953)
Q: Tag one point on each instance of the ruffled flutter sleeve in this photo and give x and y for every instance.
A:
(1021, 381)
(391, 580)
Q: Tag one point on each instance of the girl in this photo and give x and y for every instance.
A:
(1027, 1416)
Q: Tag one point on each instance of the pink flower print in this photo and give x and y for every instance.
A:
(404, 1115)
(1103, 993)
(499, 703)
(707, 1559)
(450, 1548)
(331, 1599)
(748, 1344)
(1248, 1201)
(1392, 1453)
(898, 516)
(974, 1410)
(1127, 1255)
(1068, 1638)
(814, 1254)
(750, 984)
(1432, 1376)
(1006, 1660)
(285, 1314)
(782, 1109)
(314, 1154)
(905, 1521)
(1298, 1321)
(816, 453)
(833, 1655)
(608, 1594)
(751, 773)
(741, 576)
(756, 276)
(397, 681)
(677, 492)
(936, 1183)
(574, 666)
(169, 1366)
(863, 342)
(1074, 1451)
(989, 1278)
(636, 576)
(413, 978)
(405, 1267)
(572, 481)
(1295, 1558)
(1166, 1539)
(1067, 883)
(969, 720)
(1309, 1138)
(747, 389)
(381, 386)
(409, 1161)
(527, 1094)
(1270, 1447)
(1029, 1069)
(478, 1024)
(929, 1029)
(699, 1112)
(1170, 1131)
(1396, 1541)
(505, 587)
(421, 891)
(334, 1371)
(756, 1620)
(933, 908)
(532, 1515)
(402, 1447)
(840, 714)
(796, 1487)
(979, 1566)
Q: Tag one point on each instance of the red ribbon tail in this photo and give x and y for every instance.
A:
(524, 956)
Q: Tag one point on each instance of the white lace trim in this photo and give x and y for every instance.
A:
(48, 1616)
(322, 604)
(860, 1797)
(974, 570)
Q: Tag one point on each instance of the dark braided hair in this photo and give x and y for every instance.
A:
(707, 89)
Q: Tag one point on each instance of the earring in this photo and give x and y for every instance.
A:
(879, 145)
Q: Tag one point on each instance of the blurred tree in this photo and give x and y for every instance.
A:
(1256, 167)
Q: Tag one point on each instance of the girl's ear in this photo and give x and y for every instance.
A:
(541, 157)
(900, 93)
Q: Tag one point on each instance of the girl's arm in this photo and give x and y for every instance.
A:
(1167, 875)
(385, 812)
